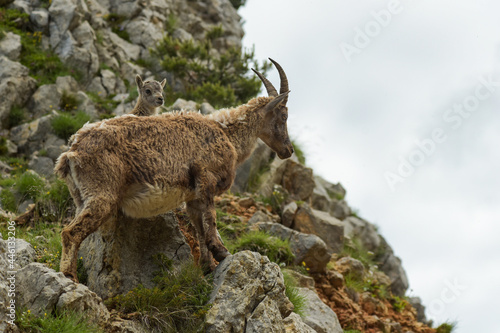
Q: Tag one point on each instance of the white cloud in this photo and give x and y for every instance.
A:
(355, 119)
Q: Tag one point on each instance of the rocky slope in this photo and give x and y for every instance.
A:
(62, 56)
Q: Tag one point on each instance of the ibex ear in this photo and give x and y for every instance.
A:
(276, 101)
(162, 83)
(138, 81)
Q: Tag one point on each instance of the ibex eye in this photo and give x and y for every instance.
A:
(148, 91)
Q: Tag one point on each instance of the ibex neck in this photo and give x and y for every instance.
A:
(141, 109)
(241, 125)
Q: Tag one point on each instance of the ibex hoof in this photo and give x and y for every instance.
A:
(221, 255)
(71, 276)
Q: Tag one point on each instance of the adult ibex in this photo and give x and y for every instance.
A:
(145, 166)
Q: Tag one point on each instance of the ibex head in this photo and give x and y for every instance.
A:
(274, 132)
(151, 92)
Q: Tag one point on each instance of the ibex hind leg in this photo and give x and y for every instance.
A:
(195, 212)
(94, 213)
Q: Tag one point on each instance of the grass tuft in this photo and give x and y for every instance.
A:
(276, 249)
(178, 302)
(60, 322)
(292, 292)
(66, 124)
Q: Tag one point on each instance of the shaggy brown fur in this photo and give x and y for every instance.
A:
(150, 97)
(146, 166)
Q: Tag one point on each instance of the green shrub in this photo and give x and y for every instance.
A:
(355, 249)
(60, 322)
(398, 303)
(446, 328)
(30, 185)
(116, 22)
(15, 117)
(222, 81)
(292, 292)
(8, 200)
(3, 146)
(65, 124)
(104, 105)
(177, 303)
(237, 3)
(69, 102)
(276, 249)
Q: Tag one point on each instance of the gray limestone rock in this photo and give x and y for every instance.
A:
(10, 45)
(122, 253)
(249, 296)
(318, 315)
(308, 249)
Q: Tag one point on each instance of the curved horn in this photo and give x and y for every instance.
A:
(283, 79)
(271, 91)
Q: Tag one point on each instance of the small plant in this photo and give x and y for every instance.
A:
(60, 322)
(105, 106)
(68, 102)
(276, 249)
(8, 200)
(446, 327)
(30, 185)
(3, 146)
(299, 152)
(398, 303)
(18, 165)
(292, 292)
(355, 249)
(237, 3)
(65, 124)
(16, 116)
(117, 23)
(178, 302)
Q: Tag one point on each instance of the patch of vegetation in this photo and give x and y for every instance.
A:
(48, 247)
(355, 212)
(16, 116)
(178, 302)
(3, 146)
(8, 200)
(446, 327)
(292, 292)
(54, 204)
(220, 80)
(45, 66)
(18, 165)
(229, 226)
(30, 185)
(104, 105)
(117, 24)
(356, 250)
(398, 303)
(299, 152)
(69, 102)
(237, 3)
(61, 322)
(66, 124)
(352, 331)
(275, 248)
(256, 178)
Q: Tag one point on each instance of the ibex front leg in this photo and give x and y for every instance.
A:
(195, 211)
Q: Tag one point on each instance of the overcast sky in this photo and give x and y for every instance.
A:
(399, 101)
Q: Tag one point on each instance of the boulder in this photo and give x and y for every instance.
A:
(339, 209)
(308, 249)
(249, 296)
(350, 266)
(123, 252)
(182, 104)
(416, 302)
(259, 216)
(292, 175)
(31, 137)
(335, 191)
(16, 86)
(302, 280)
(294, 324)
(319, 223)
(42, 289)
(45, 99)
(248, 173)
(392, 266)
(362, 230)
(42, 165)
(40, 18)
(10, 45)
(288, 214)
(318, 315)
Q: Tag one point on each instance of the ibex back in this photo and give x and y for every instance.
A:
(145, 166)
